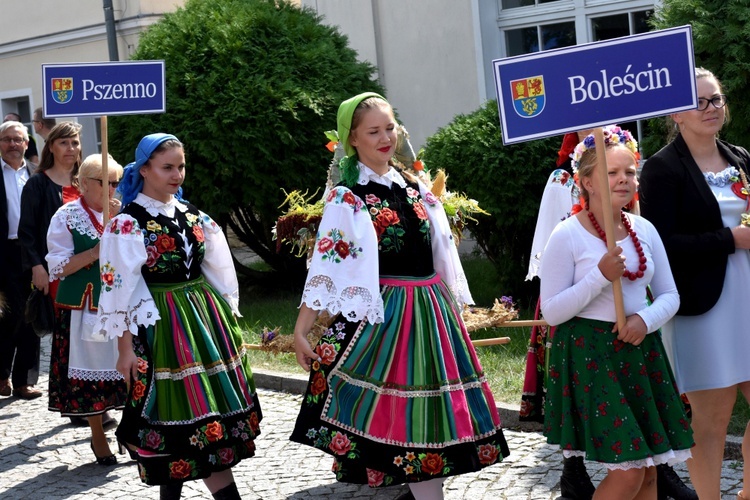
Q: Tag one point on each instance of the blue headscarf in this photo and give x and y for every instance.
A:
(132, 182)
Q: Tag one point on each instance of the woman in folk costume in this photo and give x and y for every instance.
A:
(83, 380)
(611, 396)
(170, 293)
(560, 200)
(396, 391)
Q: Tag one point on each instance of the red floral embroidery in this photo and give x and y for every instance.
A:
(214, 432)
(340, 444)
(180, 469)
(432, 463)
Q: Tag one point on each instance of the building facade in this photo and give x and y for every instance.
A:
(47, 31)
(434, 57)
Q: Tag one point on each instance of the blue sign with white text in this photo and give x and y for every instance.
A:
(106, 88)
(595, 84)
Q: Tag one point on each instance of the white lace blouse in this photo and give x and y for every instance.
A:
(351, 286)
(128, 304)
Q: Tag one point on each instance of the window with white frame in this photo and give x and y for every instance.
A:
(512, 4)
(547, 36)
(550, 24)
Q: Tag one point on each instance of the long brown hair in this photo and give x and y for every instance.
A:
(62, 130)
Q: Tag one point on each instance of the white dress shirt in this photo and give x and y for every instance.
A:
(15, 180)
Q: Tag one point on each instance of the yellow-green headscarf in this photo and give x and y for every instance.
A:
(344, 118)
(348, 164)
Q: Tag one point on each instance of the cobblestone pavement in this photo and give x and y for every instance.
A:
(43, 457)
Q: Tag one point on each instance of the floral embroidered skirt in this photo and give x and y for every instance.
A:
(405, 400)
(86, 392)
(193, 409)
(613, 402)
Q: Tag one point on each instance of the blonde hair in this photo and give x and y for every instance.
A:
(91, 168)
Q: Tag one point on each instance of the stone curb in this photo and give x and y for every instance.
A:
(297, 384)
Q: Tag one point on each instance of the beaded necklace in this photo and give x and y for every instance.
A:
(99, 227)
(632, 276)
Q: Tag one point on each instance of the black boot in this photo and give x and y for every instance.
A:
(170, 491)
(228, 492)
(575, 483)
(669, 485)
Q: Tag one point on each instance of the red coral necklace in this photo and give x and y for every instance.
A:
(99, 227)
(632, 276)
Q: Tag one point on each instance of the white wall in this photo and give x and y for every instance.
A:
(47, 31)
(425, 50)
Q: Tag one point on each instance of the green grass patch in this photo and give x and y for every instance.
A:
(504, 365)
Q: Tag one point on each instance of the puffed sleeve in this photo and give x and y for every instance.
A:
(60, 246)
(125, 302)
(217, 266)
(343, 275)
(444, 252)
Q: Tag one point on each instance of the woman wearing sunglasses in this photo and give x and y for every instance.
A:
(83, 379)
(692, 191)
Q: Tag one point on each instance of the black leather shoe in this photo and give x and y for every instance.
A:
(575, 483)
(669, 485)
(107, 460)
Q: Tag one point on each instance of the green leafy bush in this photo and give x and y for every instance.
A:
(251, 87)
(721, 40)
(507, 181)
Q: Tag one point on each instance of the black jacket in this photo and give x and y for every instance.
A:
(675, 197)
(4, 228)
(40, 199)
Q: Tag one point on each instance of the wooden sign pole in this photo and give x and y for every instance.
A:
(608, 215)
(105, 171)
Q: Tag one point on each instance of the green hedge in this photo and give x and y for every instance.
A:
(251, 87)
(507, 181)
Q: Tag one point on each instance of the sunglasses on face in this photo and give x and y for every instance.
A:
(112, 184)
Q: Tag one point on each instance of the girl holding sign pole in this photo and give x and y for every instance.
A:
(611, 396)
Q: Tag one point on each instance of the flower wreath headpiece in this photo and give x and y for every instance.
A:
(613, 134)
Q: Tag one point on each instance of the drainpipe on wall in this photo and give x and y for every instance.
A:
(109, 22)
(378, 41)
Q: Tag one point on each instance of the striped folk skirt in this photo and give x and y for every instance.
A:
(405, 400)
(193, 409)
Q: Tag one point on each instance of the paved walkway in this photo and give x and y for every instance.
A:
(42, 457)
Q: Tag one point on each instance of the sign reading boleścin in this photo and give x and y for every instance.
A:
(575, 88)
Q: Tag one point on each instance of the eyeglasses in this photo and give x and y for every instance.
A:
(15, 140)
(112, 184)
(718, 101)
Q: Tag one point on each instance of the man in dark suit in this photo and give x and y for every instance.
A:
(19, 345)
